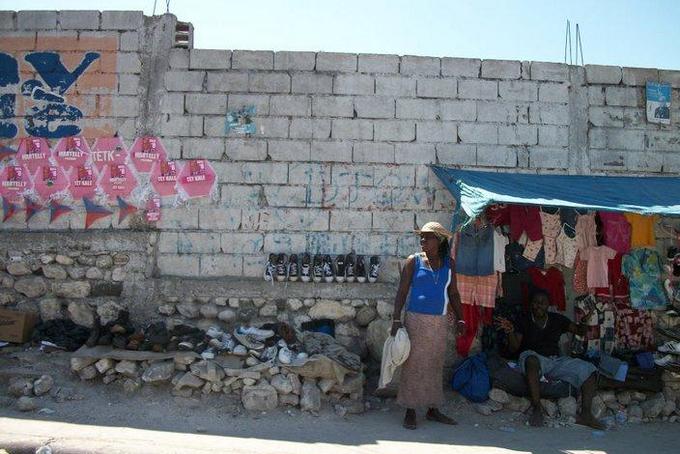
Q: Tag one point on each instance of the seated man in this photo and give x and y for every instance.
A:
(536, 337)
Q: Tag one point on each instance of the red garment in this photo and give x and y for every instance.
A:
(580, 279)
(525, 218)
(552, 281)
(498, 214)
(634, 328)
(617, 280)
(473, 316)
(616, 231)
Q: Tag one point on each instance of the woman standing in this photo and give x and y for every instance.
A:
(429, 277)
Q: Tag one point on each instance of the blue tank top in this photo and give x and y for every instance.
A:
(429, 293)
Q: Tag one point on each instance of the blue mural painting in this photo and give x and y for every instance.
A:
(50, 115)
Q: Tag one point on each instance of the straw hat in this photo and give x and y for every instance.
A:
(436, 228)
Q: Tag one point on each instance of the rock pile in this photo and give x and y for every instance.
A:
(26, 389)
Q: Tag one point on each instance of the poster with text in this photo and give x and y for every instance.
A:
(82, 182)
(14, 183)
(33, 152)
(658, 103)
(71, 152)
(50, 180)
(108, 150)
(164, 178)
(197, 178)
(117, 180)
(145, 152)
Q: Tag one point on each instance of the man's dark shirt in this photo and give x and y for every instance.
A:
(543, 341)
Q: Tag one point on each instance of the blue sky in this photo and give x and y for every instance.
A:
(640, 33)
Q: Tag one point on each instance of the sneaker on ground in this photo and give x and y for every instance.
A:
(269, 353)
(281, 268)
(269, 268)
(214, 332)
(340, 268)
(301, 356)
(285, 355)
(306, 268)
(328, 274)
(259, 334)
(293, 269)
(361, 269)
(240, 350)
(349, 270)
(317, 269)
(208, 353)
(373, 268)
(185, 346)
(248, 340)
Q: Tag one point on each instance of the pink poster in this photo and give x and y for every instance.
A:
(145, 152)
(153, 209)
(117, 180)
(82, 182)
(14, 182)
(197, 178)
(108, 150)
(71, 152)
(49, 180)
(164, 178)
(33, 152)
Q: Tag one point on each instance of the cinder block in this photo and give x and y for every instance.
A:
(296, 61)
(374, 107)
(240, 196)
(312, 83)
(179, 218)
(198, 242)
(368, 198)
(478, 133)
(354, 84)
(332, 106)
(260, 102)
(242, 243)
(420, 66)
(269, 83)
(200, 103)
(395, 86)
(128, 84)
(461, 67)
(179, 58)
(246, 149)
(373, 152)
(329, 243)
(639, 76)
(411, 153)
(219, 265)
(420, 109)
(553, 136)
(672, 77)
(382, 244)
(352, 129)
(184, 80)
(125, 106)
(412, 199)
(393, 221)
(502, 112)
(122, 20)
(306, 128)
(228, 172)
(496, 156)
(299, 219)
(129, 41)
(397, 176)
(228, 82)
(624, 96)
(394, 131)
(291, 105)
(352, 175)
(36, 20)
(209, 59)
(178, 125)
(518, 90)
(607, 75)
(215, 126)
(622, 139)
(548, 158)
(289, 150)
(597, 138)
(548, 92)
(477, 89)
(382, 64)
(331, 151)
(555, 72)
(607, 160)
(436, 131)
(336, 62)
(220, 218)
(501, 69)
(596, 96)
(456, 154)
(79, 20)
(8, 20)
(517, 135)
(173, 147)
(458, 110)
(167, 243)
(178, 265)
(265, 172)
(252, 59)
(272, 127)
(310, 174)
(282, 196)
(350, 221)
(549, 114)
(645, 161)
(285, 242)
(196, 148)
(437, 88)
(656, 140)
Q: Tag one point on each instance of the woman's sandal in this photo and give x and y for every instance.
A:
(438, 416)
(410, 421)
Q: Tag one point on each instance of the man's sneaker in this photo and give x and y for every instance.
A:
(350, 266)
(281, 268)
(293, 269)
(270, 269)
(328, 273)
(340, 268)
(259, 334)
(214, 332)
(248, 340)
(373, 269)
(306, 268)
(361, 269)
(269, 353)
(285, 355)
(317, 269)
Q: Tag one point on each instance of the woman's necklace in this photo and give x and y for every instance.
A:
(545, 323)
(435, 274)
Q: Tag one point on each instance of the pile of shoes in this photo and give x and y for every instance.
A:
(321, 268)
(61, 333)
(669, 355)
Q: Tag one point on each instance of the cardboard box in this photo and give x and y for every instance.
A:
(16, 326)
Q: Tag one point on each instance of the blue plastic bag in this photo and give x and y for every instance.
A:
(471, 378)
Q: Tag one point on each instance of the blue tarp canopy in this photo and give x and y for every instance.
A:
(474, 190)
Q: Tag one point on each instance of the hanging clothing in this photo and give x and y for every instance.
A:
(494, 338)
(597, 270)
(477, 290)
(532, 249)
(617, 281)
(616, 231)
(429, 288)
(498, 214)
(475, 251)
(634, 328)
(552, 281)
(525, 219)
(518, 262)
(566, 249)
(474, 317)
(580, 279)
(568, 216)
(642, 230)
(514, 287)
(586, 231)
(600, 336)
(551, 226)
(643, 268)
(500, 241)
